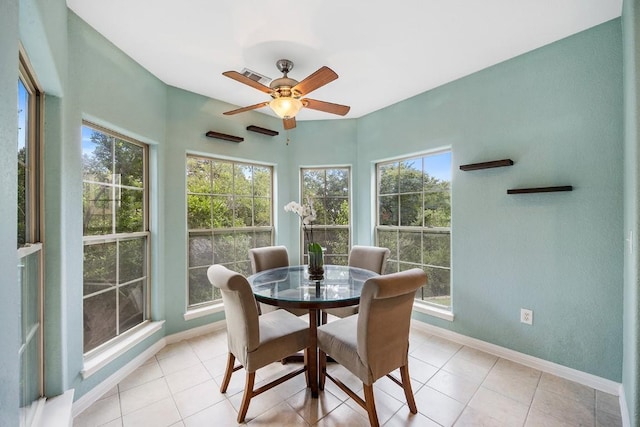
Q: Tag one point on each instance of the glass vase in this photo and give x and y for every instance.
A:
(316, 261)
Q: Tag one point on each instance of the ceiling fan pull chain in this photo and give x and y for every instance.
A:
(287, 136)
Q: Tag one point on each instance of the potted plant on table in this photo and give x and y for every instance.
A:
(307, 215)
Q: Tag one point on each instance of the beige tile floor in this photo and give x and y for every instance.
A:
(452, 384)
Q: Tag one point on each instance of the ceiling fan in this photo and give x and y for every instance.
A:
(288, 93)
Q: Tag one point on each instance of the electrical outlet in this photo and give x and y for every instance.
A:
(526, 316)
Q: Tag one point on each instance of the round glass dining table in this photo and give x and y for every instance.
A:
(291, 287)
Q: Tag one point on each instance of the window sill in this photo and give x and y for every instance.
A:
(203, 311)
(96, 362)
(433, 311)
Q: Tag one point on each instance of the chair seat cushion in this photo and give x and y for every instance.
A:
(281, 334)
(339, 339)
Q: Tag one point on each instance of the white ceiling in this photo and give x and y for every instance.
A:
(383, 51)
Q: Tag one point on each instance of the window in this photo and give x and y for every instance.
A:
(30, 275)
(229, 211)
(329, 190)
(414, 220)
(116, 235)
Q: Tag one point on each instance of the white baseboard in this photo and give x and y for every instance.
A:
(98, 391)
(624, 410)
(580, 377)
(196, 332)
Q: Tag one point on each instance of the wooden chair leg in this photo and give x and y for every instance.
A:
(246, 398)
(322, 375)
(324, 318)
(371, 405)
(306, 363)
(406, 386)
(231, 360)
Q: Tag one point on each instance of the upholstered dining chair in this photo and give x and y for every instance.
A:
(266, 258)
(375, 342)
(372, 258)
(255, 341)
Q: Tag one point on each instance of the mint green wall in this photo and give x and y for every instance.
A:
(557, 112)
(9, 291)
(630, 16)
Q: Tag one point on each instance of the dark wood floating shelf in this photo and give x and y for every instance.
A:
(263, 131)
(487, 165)
(218, 135)
(540, 190)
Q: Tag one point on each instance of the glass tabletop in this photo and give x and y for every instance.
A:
(291, 287)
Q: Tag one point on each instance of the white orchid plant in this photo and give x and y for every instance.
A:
(307, 215)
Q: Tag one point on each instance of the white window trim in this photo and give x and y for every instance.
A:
(95, 363)
(425, 308)
(198, 312)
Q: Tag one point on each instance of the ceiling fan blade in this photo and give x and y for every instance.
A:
(243, 109)
(246, 80)
(327, 107)
(318, 79)
(289, 123)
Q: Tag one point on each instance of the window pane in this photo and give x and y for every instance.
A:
(222, 210)
(437, 249)
(97, 156)
(131, 305)
(313, 183)
(129, 168)
(336, 242)
(222, 176)
(243, 212)
(388, 178)
(411, 210)
(200, 289)
(132, 256)
(99, 319)
(262, 239)
(389, 239)
(388, 210)
(261, 181)
(223, 248)
(129, 210)
(99, 267)
(410, 247)
(437, 209)
(200, 251)
(22, 199)
(198, 176)
(98, 209)
(262, 212)
(337, 182)
(198, 212)
(337, 211)
(438, 287)
(411, 176)
(243, 180)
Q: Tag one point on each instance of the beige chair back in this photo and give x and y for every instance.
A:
(385, 318)
(243, 331)
(371, 258)
(268, 257)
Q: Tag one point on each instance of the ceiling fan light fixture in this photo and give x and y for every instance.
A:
(286, 107)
